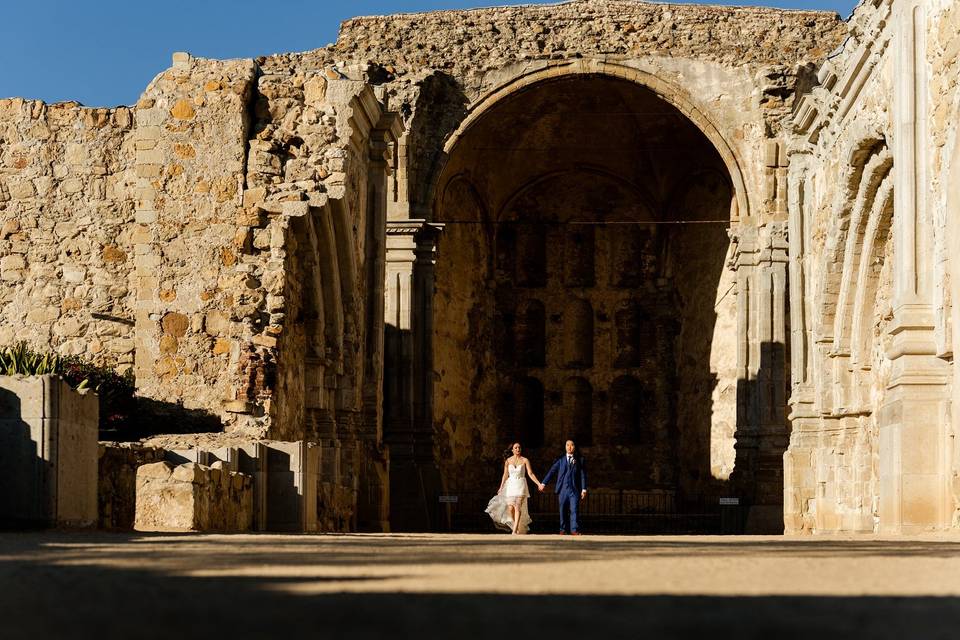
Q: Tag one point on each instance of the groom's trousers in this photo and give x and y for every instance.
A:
(569, 508)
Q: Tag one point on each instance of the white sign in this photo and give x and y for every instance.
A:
(449, 498)
(729, 501)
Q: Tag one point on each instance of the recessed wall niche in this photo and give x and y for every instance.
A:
(578, 411)
(578, 333)
(531, 255)
(578, 255)
(632, 332)
(505, 252)
(628, 405)
(529, 412)
(530, 333)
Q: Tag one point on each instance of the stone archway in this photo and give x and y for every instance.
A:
(567, 293)
(665, 90)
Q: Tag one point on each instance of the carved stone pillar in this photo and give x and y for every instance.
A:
(799, 472)
(914, 419)
(761, 261)
(408, 379)
(373, 499)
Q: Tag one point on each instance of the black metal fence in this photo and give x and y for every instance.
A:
(609, 511)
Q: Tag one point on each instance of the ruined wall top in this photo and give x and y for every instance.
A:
(494, 37)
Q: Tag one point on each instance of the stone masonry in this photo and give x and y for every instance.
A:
(713, 243)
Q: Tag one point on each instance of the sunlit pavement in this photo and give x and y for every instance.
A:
(357, 586)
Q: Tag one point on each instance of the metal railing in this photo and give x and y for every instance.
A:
(608, 511)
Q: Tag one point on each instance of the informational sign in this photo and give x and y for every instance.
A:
(449, 499)
(729, 501)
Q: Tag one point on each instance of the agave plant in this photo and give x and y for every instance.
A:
(22, 360)
(115, 391)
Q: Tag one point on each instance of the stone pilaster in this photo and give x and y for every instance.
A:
(373, 502)
(761, 262)
(408, 383)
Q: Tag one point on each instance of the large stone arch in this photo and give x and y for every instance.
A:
(527, 167)
(671, 93)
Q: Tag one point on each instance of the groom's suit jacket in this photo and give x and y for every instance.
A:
(572, 477)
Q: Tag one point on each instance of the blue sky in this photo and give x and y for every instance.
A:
(104, 52)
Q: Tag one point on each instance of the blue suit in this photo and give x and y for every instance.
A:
(571, 480)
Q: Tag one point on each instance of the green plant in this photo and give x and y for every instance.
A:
(115, 391)
(22, 360)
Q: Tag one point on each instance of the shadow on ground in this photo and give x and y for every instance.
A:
(54, 586)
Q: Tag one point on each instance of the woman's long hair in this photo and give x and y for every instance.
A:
(508, 452)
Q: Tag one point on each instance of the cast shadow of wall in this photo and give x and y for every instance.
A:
(155, 417)
(763, 433)
(296, 589)
(22, 502)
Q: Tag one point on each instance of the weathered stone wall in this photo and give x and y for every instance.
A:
(943, 51)
(444, 71)
(66, 246)
(235, 216)
(230, 163)
(432, 66)
(193, 292)
(871, 448)
(297, 486)
(840, 216)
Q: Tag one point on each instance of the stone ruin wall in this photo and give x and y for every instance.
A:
(843, 199)
(943, 55)
(195, 203)
(841, 180)
(739, 64)
(943, 162)
(434, 66)
(66, 240)
(160, 230)
(165, 237)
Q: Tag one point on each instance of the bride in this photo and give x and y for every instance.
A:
(508, 508)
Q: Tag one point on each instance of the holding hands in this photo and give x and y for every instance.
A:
(541, 486)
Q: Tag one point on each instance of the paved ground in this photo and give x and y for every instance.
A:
(396, 586)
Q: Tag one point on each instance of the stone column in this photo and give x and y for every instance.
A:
(373, 501)
(761, 262)
(408, 382)
(914, 492)
(799, 476)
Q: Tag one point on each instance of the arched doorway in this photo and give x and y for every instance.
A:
(580, 289)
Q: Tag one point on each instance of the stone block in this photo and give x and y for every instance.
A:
(181, 60)
(118, 481)
(192, 497)
(48, 452)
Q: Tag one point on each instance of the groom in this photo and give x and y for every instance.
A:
(571, 486)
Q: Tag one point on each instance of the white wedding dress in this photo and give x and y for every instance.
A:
(514, 492)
